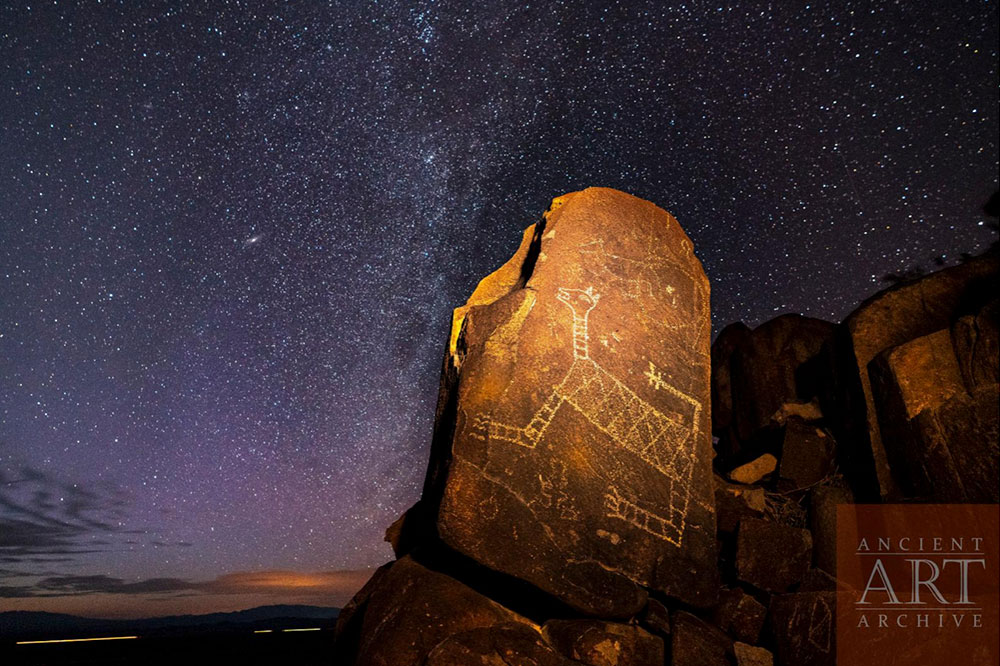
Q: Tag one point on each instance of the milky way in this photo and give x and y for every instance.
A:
(231, 233)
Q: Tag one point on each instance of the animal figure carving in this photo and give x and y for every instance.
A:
(615, 410)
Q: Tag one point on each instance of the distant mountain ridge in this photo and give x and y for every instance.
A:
(40, 624)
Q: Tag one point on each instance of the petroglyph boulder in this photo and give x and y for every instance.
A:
(406, 610)
(510, 644)
(573, 445)
(804, 628)
(600, 643)
(890, 318)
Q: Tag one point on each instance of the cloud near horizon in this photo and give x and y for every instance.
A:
(276, 583)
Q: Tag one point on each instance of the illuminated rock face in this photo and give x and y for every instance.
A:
(573, 441)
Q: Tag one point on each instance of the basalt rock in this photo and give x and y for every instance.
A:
(733, 502)
(891, 318)
(739, 615)
(807, 455)
(748, 655)
(823, 503)
(803, 628)
(572, 447)
(755, 470)
(656, 618)
(510, 644)
(406, 610)
(977, 346)
(770, 556)
(906, 380)
(695, 642)
(771, 368)
(958, 444)
(599, 643)
(725, 344)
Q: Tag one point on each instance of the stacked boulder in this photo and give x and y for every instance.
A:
(897, 403)
(575, 510)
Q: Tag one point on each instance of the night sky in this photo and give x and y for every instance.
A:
(231, 235)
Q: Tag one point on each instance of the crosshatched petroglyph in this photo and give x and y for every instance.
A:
(820, 622)
(664, 440)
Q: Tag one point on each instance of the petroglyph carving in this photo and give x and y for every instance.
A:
(820, 620)
(616, 410)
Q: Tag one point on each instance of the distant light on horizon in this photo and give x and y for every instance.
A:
(77, 640)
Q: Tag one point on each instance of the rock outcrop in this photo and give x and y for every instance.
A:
(573, 510)
(572, 452)
(577, 453)
(895, 317)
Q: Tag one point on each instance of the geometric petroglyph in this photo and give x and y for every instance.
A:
(820, 621)
(631, 422)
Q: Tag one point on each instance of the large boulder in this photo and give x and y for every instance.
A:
(600, 643)
(405, 611)
(803, 628)
(906, 380)
(510, 644)
(958, 443)
(888, 319)
(573, 446)
(771, 367)
(725, 344)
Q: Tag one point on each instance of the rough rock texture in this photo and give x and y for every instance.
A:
(722, 393)
(599, 643)
(888, 319)
(739, 615)
(748, 655)
(958, 440)
(823, 523)
(656, 618)
(976, 339)
(818, 580)
(803, 628)
(771, 556)
(769, 368)
(755, 470)
(350, 620)
(573, 444)
(807, 455)
(695, 642)
(511, 644)
(906, 380)
(406, 610)
(734, 502)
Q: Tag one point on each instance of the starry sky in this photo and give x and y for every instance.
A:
(231, 234)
